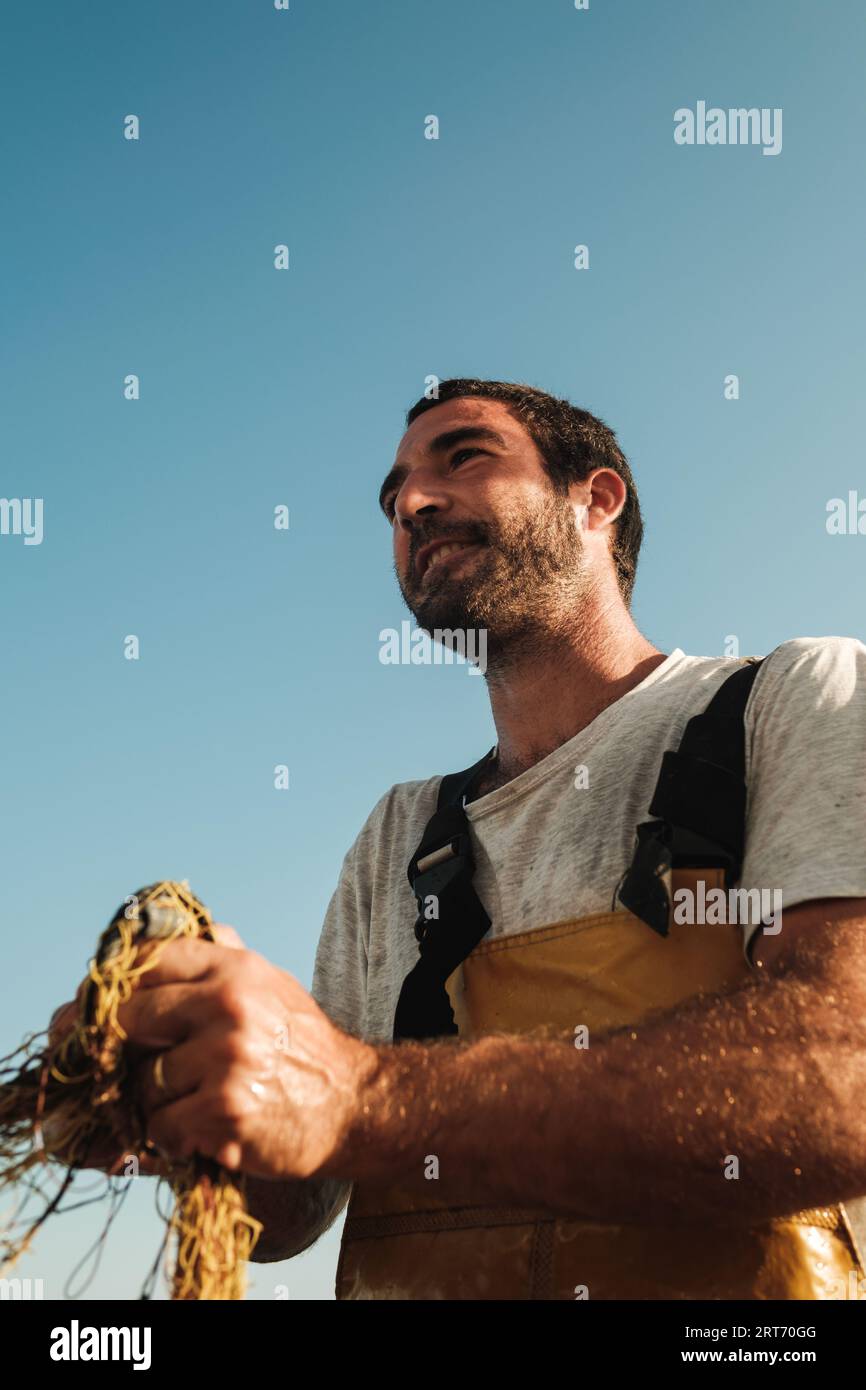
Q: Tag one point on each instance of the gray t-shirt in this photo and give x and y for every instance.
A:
(553, 844)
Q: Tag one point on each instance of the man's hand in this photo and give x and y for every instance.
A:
(250, 1071)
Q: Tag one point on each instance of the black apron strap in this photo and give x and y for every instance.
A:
(700, 809)
(699, 802)
(451, 917)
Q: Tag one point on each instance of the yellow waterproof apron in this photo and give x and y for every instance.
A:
(416, 1239)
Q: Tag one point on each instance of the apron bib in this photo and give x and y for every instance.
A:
(416, 1239)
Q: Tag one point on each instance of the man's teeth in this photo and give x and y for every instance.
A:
(442, 550)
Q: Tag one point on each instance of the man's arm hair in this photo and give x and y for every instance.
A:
(293, 1213)
(639, 1126)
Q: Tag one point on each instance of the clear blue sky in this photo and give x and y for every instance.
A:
(407, 257)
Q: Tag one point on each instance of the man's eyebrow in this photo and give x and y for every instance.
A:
(438, 445)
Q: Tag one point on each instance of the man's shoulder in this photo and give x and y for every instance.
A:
(404, 797)
(399, 810)
(813, 664)
(805, 663)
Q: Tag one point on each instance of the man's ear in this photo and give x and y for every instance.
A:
(603, 494)
(607, 499)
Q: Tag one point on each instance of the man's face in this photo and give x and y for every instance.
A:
(481, 538)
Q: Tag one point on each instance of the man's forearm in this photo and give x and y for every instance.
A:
(293, 1214)
(642, 1125)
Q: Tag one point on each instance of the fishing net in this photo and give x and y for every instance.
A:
(65, 1101)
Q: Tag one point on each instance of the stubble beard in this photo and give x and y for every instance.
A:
(523, 587)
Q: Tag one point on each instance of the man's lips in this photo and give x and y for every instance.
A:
(441, 552)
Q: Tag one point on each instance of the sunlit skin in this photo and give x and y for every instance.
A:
(264, 1082)
(571, 640)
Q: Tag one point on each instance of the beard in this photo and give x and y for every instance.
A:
(521, 586)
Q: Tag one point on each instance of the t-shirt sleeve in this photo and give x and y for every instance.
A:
(340, 972)
(806, 776)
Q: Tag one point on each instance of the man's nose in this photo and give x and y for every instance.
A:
(421, 495)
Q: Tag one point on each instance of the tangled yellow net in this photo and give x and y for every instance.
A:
(65, 1101)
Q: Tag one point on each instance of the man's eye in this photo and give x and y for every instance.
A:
(388, 502)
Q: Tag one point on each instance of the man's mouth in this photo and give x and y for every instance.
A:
(440, 552)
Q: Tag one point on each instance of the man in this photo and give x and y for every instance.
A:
(625, 1112)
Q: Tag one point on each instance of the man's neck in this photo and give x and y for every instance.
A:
(545, 697)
